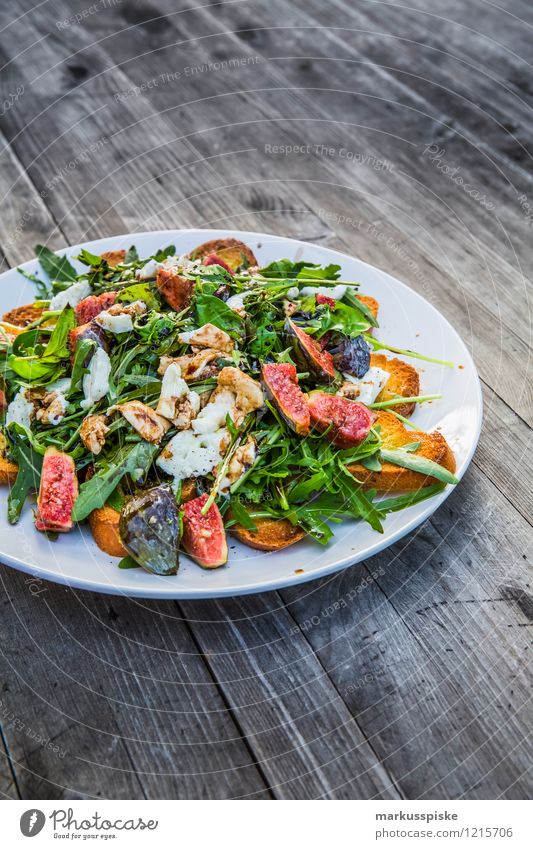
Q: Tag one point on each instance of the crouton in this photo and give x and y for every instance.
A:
(234, 254)
(271, 534)
(8, 472)
(24, 315)
(393, 478)
(104, 527)
(114, 257)
(404, 380)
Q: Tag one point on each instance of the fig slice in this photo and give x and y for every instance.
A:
(309, 353)
(58, 491)
(175, 288)
(281, 385)
(204, 537)
(350, 421)
(149, 530)
(93, 305)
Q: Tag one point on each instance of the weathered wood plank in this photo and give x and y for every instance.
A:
(419, 621)
(428, 647)
(304, 739)
(515, 317)
(119, 688)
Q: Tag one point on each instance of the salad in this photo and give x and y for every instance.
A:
(171, 400)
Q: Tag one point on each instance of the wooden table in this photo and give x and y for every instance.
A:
(402, 135)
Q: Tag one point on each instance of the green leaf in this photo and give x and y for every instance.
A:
(131, 255)
(95, 492)
(416, 463)
(350, 299)
(241, 515)
(344, 319)
(214, 311)
(163, 253)
(57, 346)
(140, 292)
(400, 502)
(90, 259)
(83, 352)
(301, 270)
(128, 563)
(371, 463)
(56, 267)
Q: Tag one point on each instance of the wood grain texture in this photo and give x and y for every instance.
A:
(408, 676)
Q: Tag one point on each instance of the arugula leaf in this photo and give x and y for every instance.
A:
(416, 463)
(88, 258)
(47, 366)
(400, 502)
(28, 477)
(140, 292)
(163, 253)
(343, 319)
(56, 267)
(95, 492)
(214, 311)
(301, 270)
(131, 255)
(128, 563)
(352, 301)
(57, 346)
(83, 352)
(241, 515)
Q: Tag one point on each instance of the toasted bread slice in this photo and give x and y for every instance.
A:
(114, 257)
(403, 380)
(234, 253)
(369, 302)
(104, 527)
(24, 315)
(271, 535)
(393, 478)
(8, 472)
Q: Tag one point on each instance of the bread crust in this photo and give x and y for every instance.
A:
(23, 315)
(8, 472)
(271, 535)
(393, 478)
(114, 257)
(104, 527)
(404, 380)
(232, 251)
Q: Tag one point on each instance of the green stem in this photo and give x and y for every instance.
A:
(403, 419)
(414, 399)
(378, 346)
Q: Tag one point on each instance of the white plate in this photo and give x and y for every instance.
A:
(406, 320)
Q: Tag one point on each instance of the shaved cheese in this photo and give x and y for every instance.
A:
(370, 385)
(20, 410)
(96, 381)
(71, 296)
(335, 292)
(189, 455)
(213, 415)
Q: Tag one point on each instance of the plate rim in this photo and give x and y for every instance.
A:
(331, 568)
